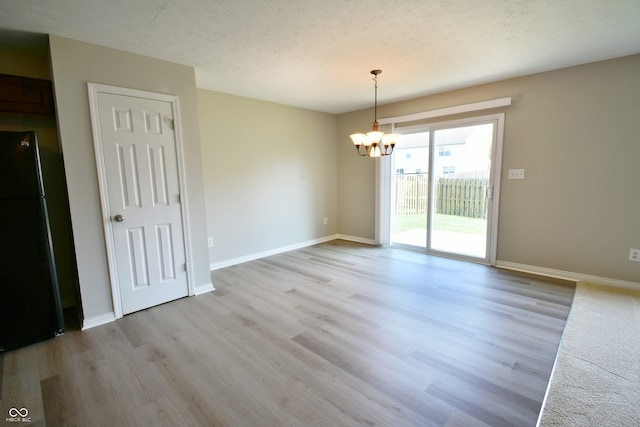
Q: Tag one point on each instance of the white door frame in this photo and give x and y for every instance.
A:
(94, 90)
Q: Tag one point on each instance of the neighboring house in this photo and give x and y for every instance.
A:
(463, 152)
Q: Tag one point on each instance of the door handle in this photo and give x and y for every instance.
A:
(118, 218)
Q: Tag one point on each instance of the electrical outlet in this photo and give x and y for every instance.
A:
(516, 173)
(210, 242)
(634, 255)
(325, 220)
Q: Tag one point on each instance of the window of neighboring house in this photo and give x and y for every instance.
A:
(444, 151)
(448, 169)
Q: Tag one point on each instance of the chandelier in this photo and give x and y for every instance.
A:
(375, 143)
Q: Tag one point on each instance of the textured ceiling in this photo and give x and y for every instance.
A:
(318, 54)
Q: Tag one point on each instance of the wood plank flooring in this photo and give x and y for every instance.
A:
(337, 334)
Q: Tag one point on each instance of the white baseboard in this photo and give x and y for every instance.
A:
(92, 322)
(357, 239)
(203, 289)
(276, 251)
(567, 275)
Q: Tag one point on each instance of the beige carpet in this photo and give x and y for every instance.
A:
(596, 379)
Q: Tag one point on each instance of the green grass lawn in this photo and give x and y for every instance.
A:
(442, 222)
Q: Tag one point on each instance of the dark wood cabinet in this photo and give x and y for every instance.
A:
(26, 95)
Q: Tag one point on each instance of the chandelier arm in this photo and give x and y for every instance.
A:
(358, 151)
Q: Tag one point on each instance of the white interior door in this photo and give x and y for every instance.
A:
(141, 190)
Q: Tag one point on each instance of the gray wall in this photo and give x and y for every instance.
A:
(269, 174)
(73, 65)
(575, 132)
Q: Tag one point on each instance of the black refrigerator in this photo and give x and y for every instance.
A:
(30, 307)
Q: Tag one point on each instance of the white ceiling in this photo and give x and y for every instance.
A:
(318, 54)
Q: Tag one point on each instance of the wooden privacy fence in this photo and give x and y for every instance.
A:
(452, 196)
(462, 197)
(412, 191)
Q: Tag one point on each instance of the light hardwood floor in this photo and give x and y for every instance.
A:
(337, 334)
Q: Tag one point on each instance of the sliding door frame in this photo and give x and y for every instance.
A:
(384, 194)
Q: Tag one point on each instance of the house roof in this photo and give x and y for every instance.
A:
(318, 54)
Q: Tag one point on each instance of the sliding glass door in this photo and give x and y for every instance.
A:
(443, 184)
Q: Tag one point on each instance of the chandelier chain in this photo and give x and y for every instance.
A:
(375, 105)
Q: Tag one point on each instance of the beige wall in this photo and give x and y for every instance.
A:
(269, 174)
(73, 65)
(356, 179)
(575, 132)
(18, 62)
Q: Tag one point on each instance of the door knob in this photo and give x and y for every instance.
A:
(118, 218)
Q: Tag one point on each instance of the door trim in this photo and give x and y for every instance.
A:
(383, 195)
(94, 89)
(450, 111)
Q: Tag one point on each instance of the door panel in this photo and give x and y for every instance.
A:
(139, 150)
(459, 211)
(128, 171)
(165, 252)
(410, 191)
(137, 257)
(159, 189)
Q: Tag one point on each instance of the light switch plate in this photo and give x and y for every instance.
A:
(516, 173)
